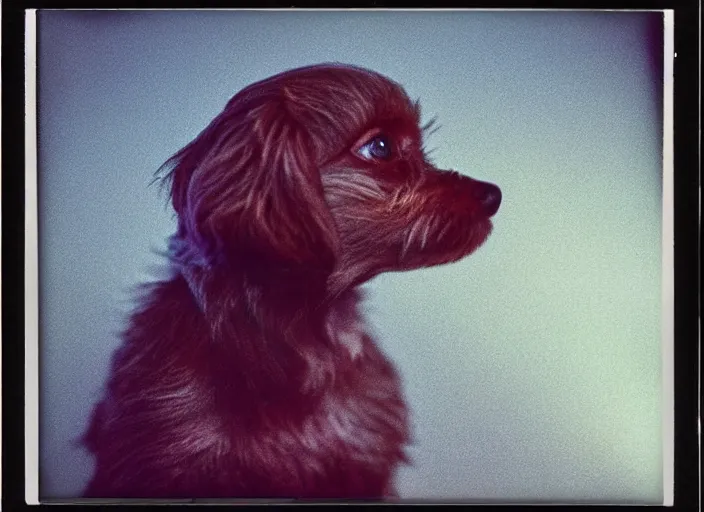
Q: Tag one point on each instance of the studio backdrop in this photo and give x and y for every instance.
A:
(532, 368)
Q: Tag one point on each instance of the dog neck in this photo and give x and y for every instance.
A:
(293, 339)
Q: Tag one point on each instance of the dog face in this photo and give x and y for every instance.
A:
(394, 210)
(320, 172)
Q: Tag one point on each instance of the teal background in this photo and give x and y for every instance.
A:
(532, 368)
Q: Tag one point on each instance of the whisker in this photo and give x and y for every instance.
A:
(426, 231)
(411, 236)
(442, 232)
(431, 127)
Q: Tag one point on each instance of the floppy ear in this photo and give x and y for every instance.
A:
(248, 189)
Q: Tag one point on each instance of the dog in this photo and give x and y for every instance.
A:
(249, 373)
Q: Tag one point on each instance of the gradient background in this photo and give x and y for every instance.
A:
(533, 367)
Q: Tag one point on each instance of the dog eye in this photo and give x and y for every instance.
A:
(377, 148)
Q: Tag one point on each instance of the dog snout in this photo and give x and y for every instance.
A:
(488, 196)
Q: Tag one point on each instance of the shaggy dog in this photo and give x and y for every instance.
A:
(249, 373)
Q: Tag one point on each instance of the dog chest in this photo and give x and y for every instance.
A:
(338, 448)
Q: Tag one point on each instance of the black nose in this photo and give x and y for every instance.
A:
(489, 198)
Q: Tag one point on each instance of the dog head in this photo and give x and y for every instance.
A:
(320, 171)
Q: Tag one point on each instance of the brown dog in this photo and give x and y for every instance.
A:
(249, 373)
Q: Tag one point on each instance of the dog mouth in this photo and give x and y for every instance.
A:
(436, 239)
(440, 218)
(457, 224)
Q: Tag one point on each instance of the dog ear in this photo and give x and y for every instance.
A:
(248, 188)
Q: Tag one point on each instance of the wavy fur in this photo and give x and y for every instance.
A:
(249, 372)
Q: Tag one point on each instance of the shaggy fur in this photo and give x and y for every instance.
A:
(249, 373)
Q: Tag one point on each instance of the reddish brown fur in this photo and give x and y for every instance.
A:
(249, 372)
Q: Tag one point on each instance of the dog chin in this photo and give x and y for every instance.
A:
(430, 242)
(454, 245)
